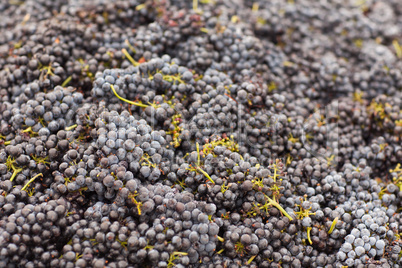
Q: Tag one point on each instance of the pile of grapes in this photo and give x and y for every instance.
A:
(204, 133)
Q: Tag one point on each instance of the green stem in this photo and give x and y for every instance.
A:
(333, 225)
(128, 56)
(30, 181)
(71, 127)
(170, 78)
(198, 154)
(308, 235)
(27, 130)
(128, 101)
(206, 175)
(276, 204)
(220, 251)
(251, 259)
(139, 7)
(68, 80)
(15, 172)
(130, 46)
(179, 253)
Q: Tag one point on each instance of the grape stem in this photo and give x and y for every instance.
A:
(15, 172)
(30, 181)
(128, 101)
(251, 259)
(276, 204)
(128, 56)
(308, 235)
(205, 174)
(71, 127)
(333, 225)
(68, 80)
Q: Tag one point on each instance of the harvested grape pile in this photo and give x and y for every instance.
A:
(209, 133)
